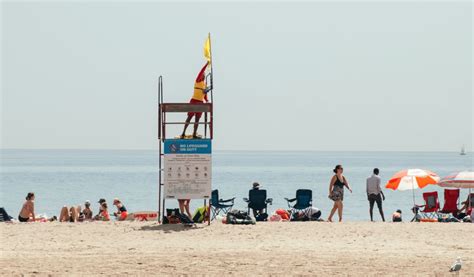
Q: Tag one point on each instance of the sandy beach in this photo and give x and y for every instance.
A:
(305, 248)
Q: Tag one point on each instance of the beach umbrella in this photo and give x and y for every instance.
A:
(462, 180)
(412, 179)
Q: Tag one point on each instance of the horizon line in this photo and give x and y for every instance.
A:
(226, 150)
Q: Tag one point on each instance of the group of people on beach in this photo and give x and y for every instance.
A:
(375, 195)
(337, 184)
(74, 213)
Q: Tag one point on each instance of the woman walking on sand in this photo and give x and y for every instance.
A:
(336, 191)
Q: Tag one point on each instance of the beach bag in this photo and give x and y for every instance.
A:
(4, 217)
(239, 217)
(200, 214)
(185, 219)
(262, 217)
(285, 215)
(275, 218)
(172, 216)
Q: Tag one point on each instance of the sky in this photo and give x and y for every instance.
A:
(348, 76)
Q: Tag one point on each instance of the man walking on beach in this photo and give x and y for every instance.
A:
(375, 194)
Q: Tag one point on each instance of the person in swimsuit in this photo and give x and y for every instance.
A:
(121, 213)
(87, 210)
(336, 191)
(199, 96)
(27, 212)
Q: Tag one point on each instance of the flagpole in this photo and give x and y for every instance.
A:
(212, 66)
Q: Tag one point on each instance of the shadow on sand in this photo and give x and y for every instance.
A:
(169, 228)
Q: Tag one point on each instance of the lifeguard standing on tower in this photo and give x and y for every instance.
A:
(200, 91)
(199, 96)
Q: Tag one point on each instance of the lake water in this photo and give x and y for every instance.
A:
(69, 177)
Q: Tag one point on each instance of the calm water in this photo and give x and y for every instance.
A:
(69, 177)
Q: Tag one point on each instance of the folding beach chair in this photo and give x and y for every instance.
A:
(451, 197)
(220, 205)
(304, 199)
(4, 217)
(258, 201)
(431, 207)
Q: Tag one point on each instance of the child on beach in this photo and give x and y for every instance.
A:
(121, 213)
(104, 214)
(27, 212)
(101, 202)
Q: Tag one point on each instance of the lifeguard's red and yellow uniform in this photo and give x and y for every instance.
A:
(200, 93)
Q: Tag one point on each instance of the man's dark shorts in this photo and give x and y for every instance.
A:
(377, 198)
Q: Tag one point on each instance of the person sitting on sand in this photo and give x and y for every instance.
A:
(104, 214)
(121, 213)
(98, 216)
(87, 210)
(68, 214)
(465, 206)
(27, 212)
(397, 216)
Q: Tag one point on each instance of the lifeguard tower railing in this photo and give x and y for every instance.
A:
(163, 110)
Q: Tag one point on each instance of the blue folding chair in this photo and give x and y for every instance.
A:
(258, 201)
(304, 200)
(220, 205)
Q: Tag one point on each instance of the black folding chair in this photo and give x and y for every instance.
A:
(258, 201)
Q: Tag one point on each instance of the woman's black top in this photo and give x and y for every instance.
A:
(338, 183)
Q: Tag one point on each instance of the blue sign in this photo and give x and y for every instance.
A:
(188, 146)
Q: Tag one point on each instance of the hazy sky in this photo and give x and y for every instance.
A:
(288, 76)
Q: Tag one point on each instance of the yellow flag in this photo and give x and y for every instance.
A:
(207, 49)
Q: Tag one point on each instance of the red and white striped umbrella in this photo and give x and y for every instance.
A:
(412, 179)
(463, 180)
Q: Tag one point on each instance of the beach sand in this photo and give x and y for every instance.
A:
(270, 248)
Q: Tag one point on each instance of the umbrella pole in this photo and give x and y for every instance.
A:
(413, 189)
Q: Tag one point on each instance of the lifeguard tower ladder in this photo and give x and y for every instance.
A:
(163, 110)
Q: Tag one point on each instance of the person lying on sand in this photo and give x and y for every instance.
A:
(121, 213)
(27, 212)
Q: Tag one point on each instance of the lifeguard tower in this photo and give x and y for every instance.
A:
(185, 165)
